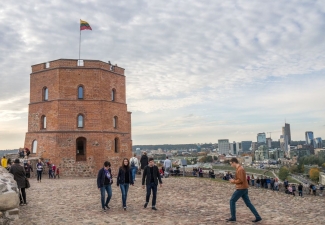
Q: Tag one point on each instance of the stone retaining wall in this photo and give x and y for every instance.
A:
(9, 197)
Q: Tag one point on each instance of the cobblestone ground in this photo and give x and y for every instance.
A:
(180, 201)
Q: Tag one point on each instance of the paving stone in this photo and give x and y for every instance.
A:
(180, 201)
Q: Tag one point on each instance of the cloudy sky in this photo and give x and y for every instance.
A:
(196, 71)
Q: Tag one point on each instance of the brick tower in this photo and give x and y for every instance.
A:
(78, 115)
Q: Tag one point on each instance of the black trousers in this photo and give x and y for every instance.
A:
(22, 195)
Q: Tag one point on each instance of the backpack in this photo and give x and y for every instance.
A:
(314, 188)
(132, 163)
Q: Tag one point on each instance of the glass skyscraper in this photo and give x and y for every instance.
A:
(309, 135)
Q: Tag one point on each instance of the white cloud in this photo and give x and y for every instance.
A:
(209, 57)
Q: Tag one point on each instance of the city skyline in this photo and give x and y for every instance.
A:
(195, 72)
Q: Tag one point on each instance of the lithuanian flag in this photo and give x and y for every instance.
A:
(84, 25)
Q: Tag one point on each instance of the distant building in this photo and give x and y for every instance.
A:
(247, 160)
(309, 137)
(276, 154)
(223, 145)
(299, 153)
(318, 142)
(262, 153)
(269, 142)
(238, 147)
(261, 138)
(286, 131)
(284, 143)
(233, 149)
(254, 146)
(246, 146)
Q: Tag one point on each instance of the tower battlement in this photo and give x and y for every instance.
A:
(75, 63)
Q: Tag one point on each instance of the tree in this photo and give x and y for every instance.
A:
(283, 173)
(314, 174)
(294, 169)
(215, 157)
(301, 168)
(323, 165)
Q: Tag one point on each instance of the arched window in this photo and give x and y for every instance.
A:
(81, 149)
(45, 94)
(113, 95)
(43, 122)
(115, 121)
(34, 146)
(80, 122)
(116, 145)
(80, 92)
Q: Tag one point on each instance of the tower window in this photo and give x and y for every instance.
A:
(80, 121)
(43, 122)
(115, 121)
(34, 146)
(80, 92)
(45, 93)
(116, 145)
(113, 94)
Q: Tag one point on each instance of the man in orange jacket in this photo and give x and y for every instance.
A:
(241, 192)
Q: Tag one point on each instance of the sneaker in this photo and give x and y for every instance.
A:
(103, 210)
(231, 220)
(145, 205)
(107, 206)
(256, 220)
(124, 208)
(154, 208)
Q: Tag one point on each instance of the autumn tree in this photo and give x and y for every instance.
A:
(314, 174)
(283, 173)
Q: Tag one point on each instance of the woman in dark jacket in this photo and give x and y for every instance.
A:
(124, 179)
(20, 177)
(144, 160)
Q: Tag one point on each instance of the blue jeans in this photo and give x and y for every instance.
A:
(124, 191)
(241, 193)
(134, 172)
(108, 189)
(253, 182)
(153, 187)
(39, 175)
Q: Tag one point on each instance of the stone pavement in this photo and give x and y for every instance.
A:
(180, 201)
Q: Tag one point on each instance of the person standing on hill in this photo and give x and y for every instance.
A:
(300, 187)
(20, 177)
(124, 179)
(241, 192)
(39, 169)
(144, 161)
(4, 162)
(28, 168)
(134, 165)
(104, 183)
(167, 166)
(150, 178)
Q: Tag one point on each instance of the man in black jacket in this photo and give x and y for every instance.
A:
(144, 161)
(151, 177)
(20, 177)
(104, 181)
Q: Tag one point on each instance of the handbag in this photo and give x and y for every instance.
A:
(27, 184)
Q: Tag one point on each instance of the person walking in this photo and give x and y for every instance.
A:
(20, 177)
(134, 166)
(124, 179)
(49, 164)
(104, 183)
(143, 161)
(28, 168)
(150, 178)
(39, 169)
(276, 184)
(167, 166)
(241, 191)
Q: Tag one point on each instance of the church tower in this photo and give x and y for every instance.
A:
(78, 115)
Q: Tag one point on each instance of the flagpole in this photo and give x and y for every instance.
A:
(79, 44)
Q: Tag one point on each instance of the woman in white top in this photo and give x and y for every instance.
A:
(134, 163)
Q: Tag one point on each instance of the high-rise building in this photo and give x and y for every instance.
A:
(284, 143)
(309, 137)
(223, 145)
(269, 142)
(261, 138)
(286, 132)
(246, 146)
(238, 147)
(232, 147)
(318, 142)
